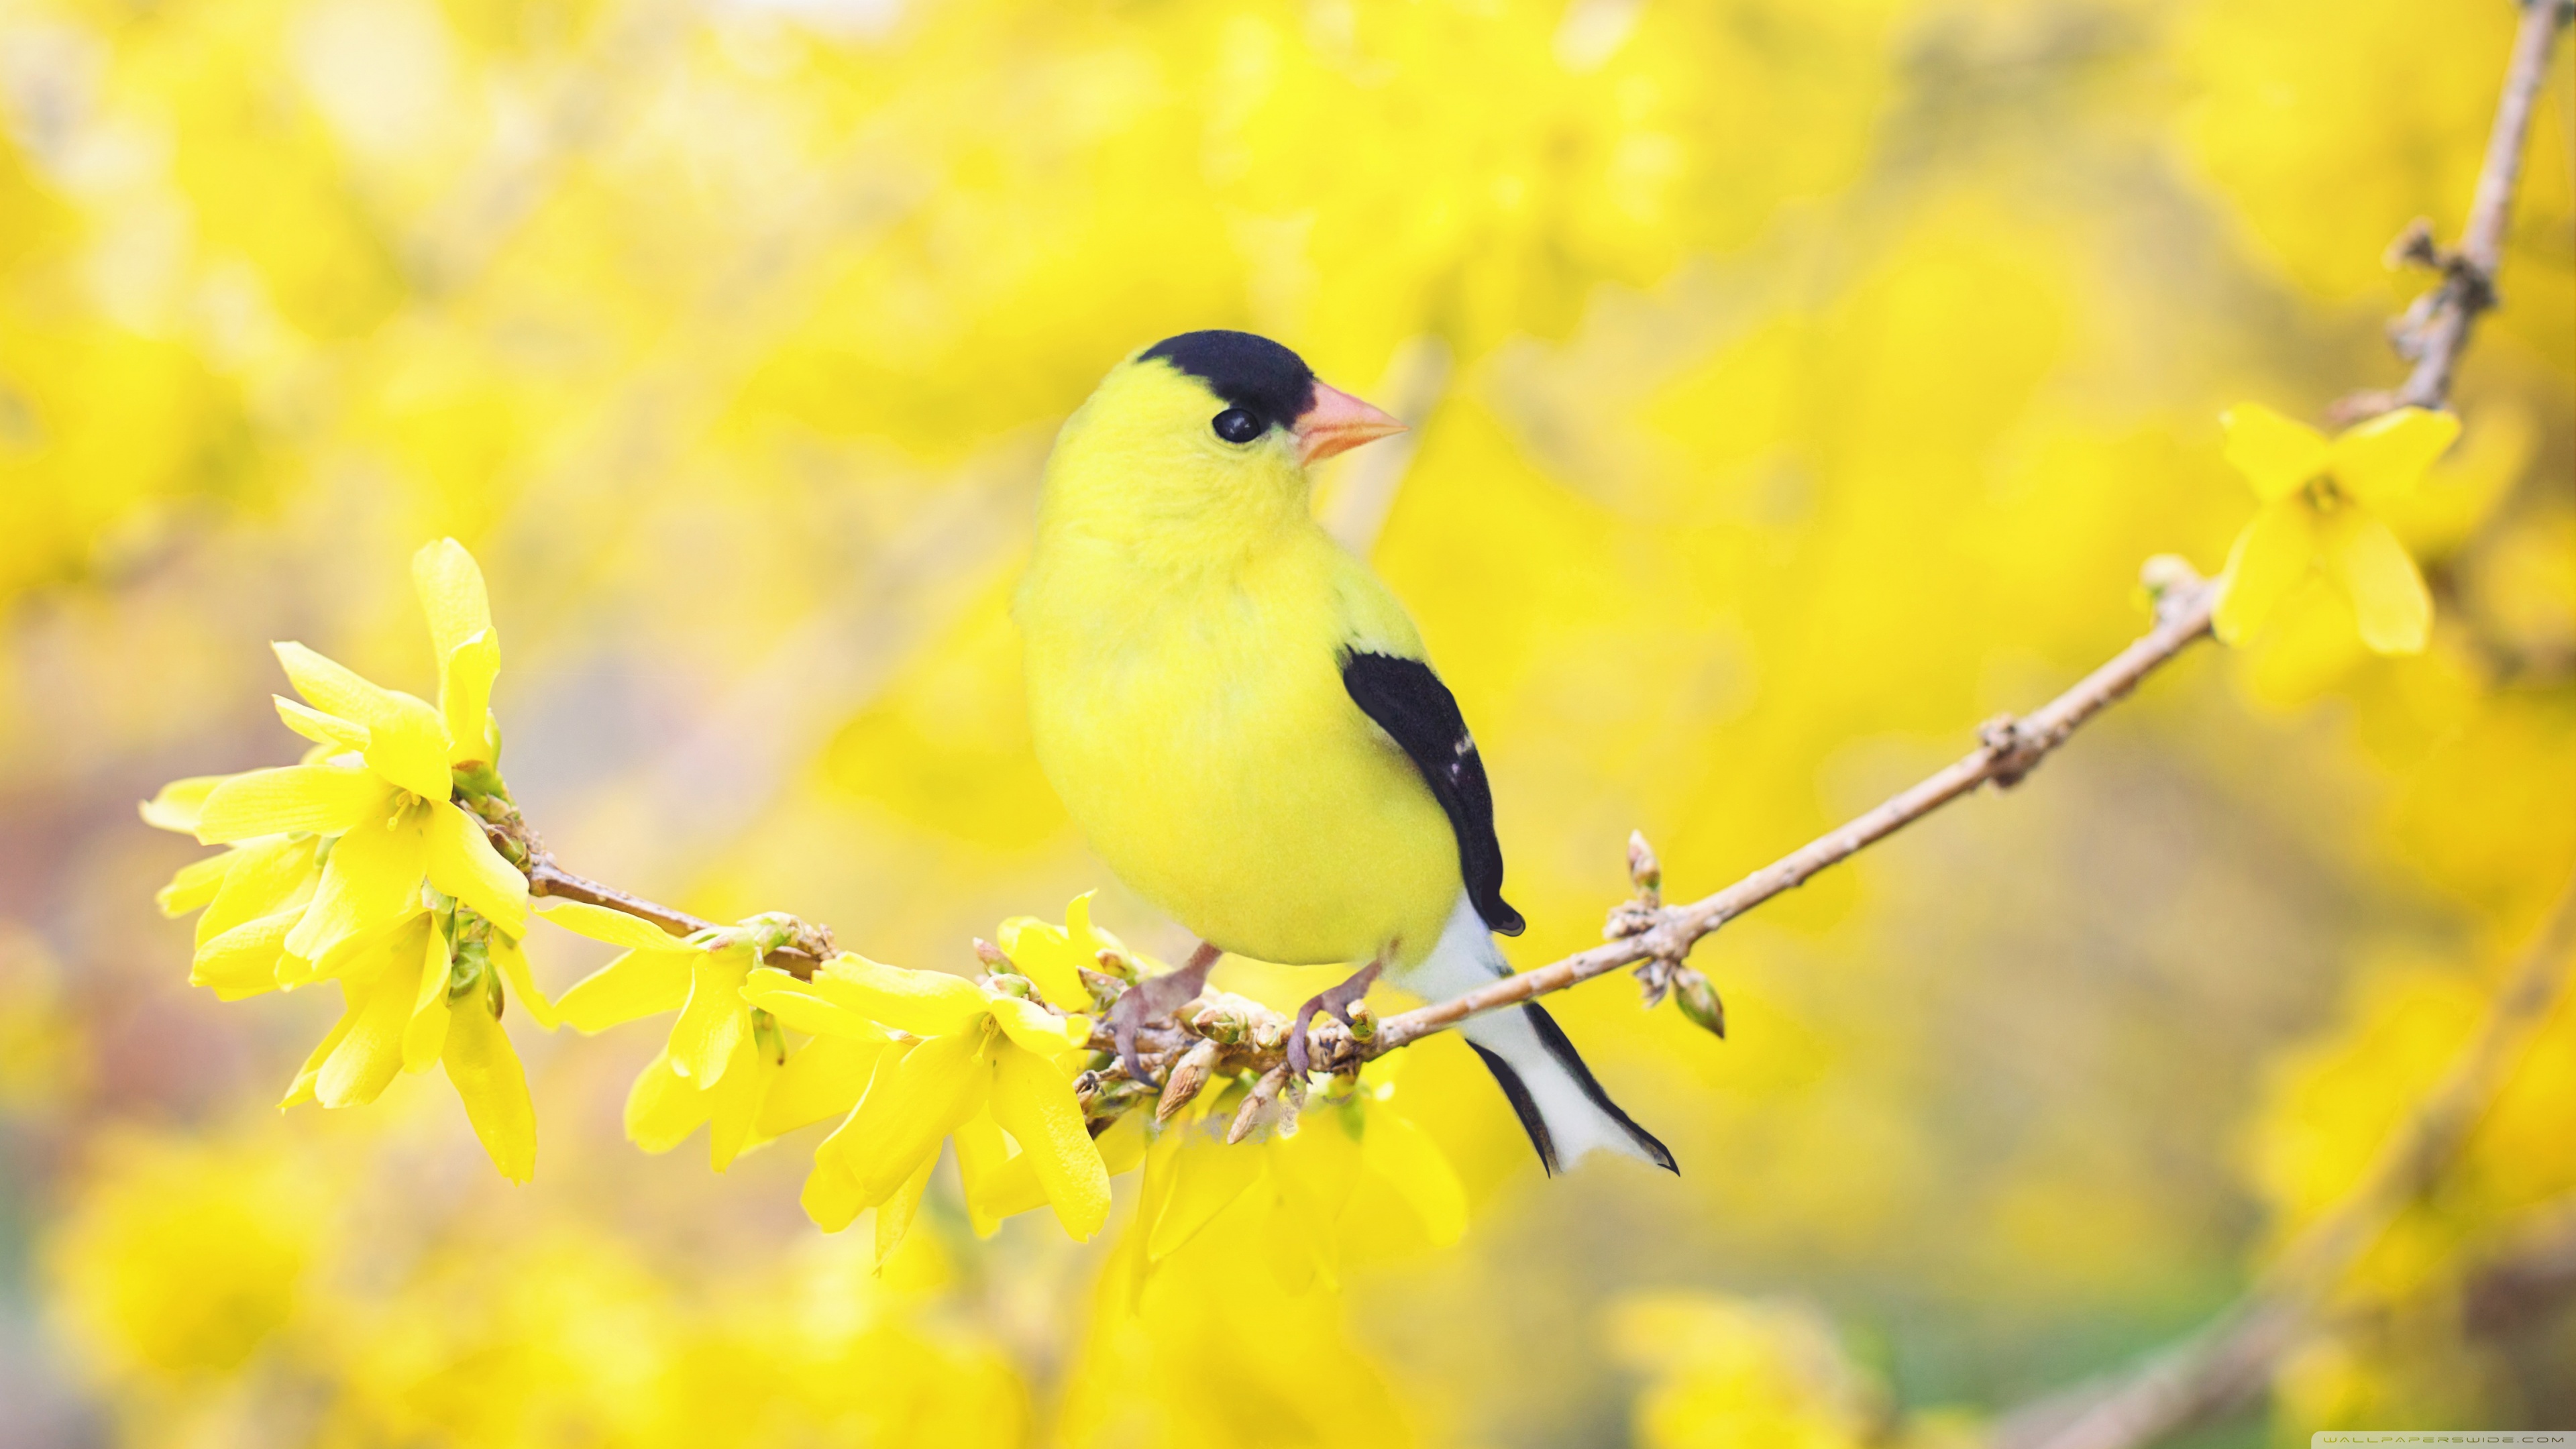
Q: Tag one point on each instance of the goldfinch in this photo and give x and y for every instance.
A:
(1241, 717)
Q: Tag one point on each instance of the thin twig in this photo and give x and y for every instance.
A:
(2011, 749)
(519, 844)
(2233, 1356)
(2435, 331)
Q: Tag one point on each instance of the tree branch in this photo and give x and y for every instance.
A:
(510, 833)
(2435, 331)
(2009, 750)
(1659, 936)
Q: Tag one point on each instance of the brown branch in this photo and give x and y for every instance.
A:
(2010, 750)
(2231, 1358)
(809, 945)
(2435, 331)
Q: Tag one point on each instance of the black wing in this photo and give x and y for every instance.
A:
(1409, 702)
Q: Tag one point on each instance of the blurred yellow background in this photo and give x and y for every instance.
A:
(1797, 382)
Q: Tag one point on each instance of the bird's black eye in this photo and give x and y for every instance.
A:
(1235, 425)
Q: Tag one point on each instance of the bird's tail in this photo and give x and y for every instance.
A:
(1561, 1106)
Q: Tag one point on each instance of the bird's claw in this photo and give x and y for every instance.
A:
(1155, 996)
(1336, 1002)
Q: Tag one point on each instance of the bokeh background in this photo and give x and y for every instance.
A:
(1796, 383)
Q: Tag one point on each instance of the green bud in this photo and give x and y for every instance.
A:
(467, 968)
(1699, 1001)
(1218, 1024)
(1363, 1021)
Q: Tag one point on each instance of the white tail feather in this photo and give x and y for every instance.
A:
(1575, 1116)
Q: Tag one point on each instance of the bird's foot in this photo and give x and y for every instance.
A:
(1156, 996)
(1335, 1001)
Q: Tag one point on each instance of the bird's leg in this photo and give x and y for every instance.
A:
(1156, 996)
(1335, 1000)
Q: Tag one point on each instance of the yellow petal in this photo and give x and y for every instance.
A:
(924, 1003)
(715, 1018)
(822, 1006)
(2270, 559)
(663, 1107)
(451, 593)
(371, 882)
(465, 700)
(371, 1052)
(2274, 453)
(305, 1076)
(831, 1195)
(463, 863)
(2383, 459)
(268, 875)
(1038, 1029)
(1035, 1104)
(617, 928)
(1296, 1250)
(1318, 1168)
(425, 1035)
(734, 1104)
(494, 1088)
(340, 735)
(176, 807)
(243, 960)
(1046, 955)
(935, 1086)
(2371, 567)
(823, 1078)
(895, 1214)
(1403, 1156)
(196, 883)
(984, 1170)
(1008, 1186)
(511, 960)
(315, 799)
(1205, 1179)
(637, 984)
(407, 744)
(1123, 1146)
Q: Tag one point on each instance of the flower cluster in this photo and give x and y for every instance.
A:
(358, 865)
(368, 864)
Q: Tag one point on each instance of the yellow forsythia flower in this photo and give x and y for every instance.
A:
(723, 1058)
(974, 1053)
(358, 865)
(1054, 956)
(1300, 1194)
(2317, 494)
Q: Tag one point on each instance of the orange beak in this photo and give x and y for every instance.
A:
(1336, 422)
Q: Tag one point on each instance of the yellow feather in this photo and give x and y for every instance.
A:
(1186, 622)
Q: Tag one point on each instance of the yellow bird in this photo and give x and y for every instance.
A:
(1242, 718)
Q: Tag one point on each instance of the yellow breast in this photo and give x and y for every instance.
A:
(1195, 723)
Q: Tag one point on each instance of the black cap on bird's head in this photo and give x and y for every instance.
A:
(1265, 386)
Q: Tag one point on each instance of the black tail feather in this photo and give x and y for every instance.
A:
(1525, 1106)
(1559, 1046)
